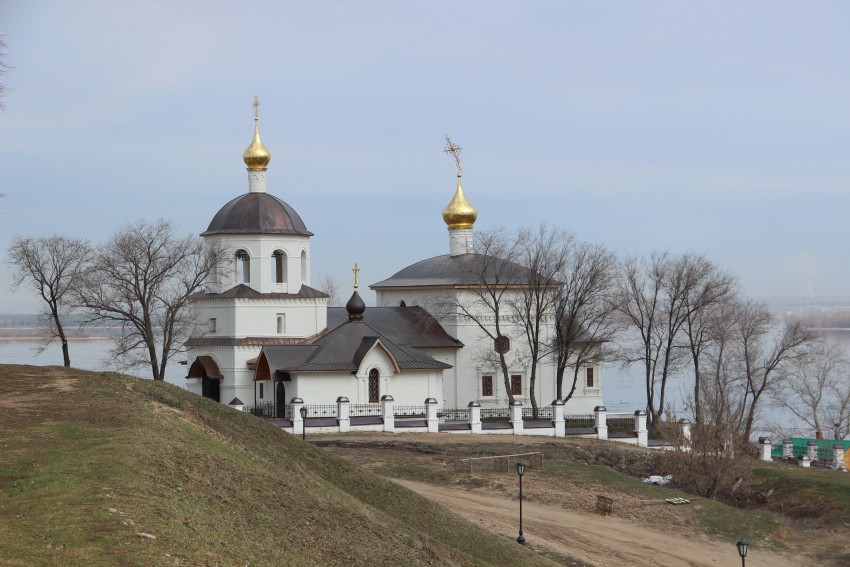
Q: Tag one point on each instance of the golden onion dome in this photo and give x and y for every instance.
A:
(459, 213)
(257, 157)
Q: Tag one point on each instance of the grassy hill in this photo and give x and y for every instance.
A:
(103, 469)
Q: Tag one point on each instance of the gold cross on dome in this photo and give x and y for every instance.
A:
(355, 269)
(256, 105)
(454, 150)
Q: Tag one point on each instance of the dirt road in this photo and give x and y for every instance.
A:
(594, 539)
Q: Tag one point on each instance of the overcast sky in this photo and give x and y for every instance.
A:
(717, 128)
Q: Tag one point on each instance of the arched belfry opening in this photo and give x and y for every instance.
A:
(206, 368)
(279, 262)
(243, 267)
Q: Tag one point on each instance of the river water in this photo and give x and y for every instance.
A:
(624, 389)
(87, 354)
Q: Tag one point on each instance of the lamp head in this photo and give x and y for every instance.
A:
(520, 468)
(303, 412)
(742, 547)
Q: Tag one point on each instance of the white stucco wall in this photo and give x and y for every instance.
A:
(462, 384)
(260, 249)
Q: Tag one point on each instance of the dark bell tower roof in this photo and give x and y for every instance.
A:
(257, 213)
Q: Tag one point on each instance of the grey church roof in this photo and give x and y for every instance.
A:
(257, 213)
(409, 326)
(243, 291)
(461, 270)
(342, 349)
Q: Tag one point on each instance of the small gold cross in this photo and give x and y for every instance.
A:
(356, 269)
(256, 105)
(454, 150)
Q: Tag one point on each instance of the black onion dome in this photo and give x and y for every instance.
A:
(257, 213)
(355, 307)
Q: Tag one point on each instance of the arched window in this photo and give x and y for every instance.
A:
(374, 386)
(279, 267)
(402, 303)
(304, 267)
(281, 323)
(243, 267)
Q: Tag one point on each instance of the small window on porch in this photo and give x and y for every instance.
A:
(374, 386)
(590, 380)
(487, 385)
(281, 323)
(212, 325)
(261, 390)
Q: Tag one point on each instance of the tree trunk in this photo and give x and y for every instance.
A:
(66, 356)
(507, 376)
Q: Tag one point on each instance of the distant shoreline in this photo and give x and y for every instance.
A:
(33, 333)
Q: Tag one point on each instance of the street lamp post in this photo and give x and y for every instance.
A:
(742, 551)
(520, 470)
(303, 412)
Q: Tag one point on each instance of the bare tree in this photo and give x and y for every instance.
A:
(142, 280)
(584, 309)
(811, 386)
(328, 285)
(53, 268)
(641, 301)
(762, 358)
(3, 69)
(658, 297)
(491, 280)
(543, 252)
(707, 290)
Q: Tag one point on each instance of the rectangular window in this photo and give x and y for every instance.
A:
(590, 383)
(487, 385)
(212, 325)
(516, 384)
(261, 390)
(281, 323)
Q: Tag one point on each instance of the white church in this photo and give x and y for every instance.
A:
(266, 336)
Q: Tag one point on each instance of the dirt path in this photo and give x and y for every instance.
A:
(596, 540)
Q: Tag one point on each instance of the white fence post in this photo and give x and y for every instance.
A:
(558, 417)
(297, 422)
(387, 411)
(431, 415)
(237, 404)
(516, 417)
(812, 450)
(601, 422)
(474, 417)
(640, 428)
(838, 457)
(686, 431)
(788, 449)
(766, 448)
(343, 413)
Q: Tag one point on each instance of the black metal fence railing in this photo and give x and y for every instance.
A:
(494, 414)
(451, 415)
(269, 410)
(620, 424)
(546, 412)
(363, 410)
(409, 411)
(321, 411)
(580, 420)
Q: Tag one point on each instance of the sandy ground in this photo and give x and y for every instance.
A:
(594, 539)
